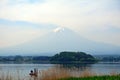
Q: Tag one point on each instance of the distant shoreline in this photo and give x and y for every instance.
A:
(48, 62)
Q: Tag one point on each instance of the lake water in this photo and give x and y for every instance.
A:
(24, 69)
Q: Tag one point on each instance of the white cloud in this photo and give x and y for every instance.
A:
(61, 12)
(80, 15)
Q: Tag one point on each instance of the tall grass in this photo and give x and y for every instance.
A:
(10, 76)
(61, 73)
(4, 76)
(55, 73)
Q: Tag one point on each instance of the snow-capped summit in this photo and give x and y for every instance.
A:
(58, 29)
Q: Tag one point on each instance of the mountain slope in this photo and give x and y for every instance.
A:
(62, 39)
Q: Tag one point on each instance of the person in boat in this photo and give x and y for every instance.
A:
(31, 73)
(35, 73)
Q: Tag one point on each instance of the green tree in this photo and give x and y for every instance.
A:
(64, 57)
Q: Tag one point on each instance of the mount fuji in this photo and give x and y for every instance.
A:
(61, 39)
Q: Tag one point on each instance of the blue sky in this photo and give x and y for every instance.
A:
(23, 20)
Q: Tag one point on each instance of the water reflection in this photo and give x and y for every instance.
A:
(74, 68)
(75, 65)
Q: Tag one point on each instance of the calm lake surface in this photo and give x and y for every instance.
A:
(24, 69)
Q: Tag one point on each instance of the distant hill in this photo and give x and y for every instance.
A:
(61, 39)
(73, 57)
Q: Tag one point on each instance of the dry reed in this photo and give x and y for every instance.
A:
(87, 73)
(4, 76)
(52, 74)
(113, 73)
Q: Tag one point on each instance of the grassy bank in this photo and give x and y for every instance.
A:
(107, 77)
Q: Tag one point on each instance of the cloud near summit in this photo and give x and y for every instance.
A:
(83, 16)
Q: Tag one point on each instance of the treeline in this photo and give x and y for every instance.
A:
(19, 58)
(111, 59)
(62, 57)
(108, 58)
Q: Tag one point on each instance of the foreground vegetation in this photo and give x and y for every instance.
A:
(75, 74)
(107, 77)
(61, 74)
